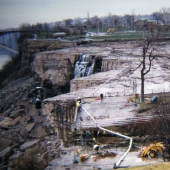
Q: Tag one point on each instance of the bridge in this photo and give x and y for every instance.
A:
(8, 40)
(14, 30)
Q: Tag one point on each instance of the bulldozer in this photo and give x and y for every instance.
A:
(152, 150)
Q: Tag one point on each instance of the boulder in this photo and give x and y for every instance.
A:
(9, 121)
(29, 144)
(14, 159)
(17, 113)
(38, 131)
(4, 143)
(5, 153)
(29, 127)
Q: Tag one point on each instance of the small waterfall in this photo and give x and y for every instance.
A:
(90, 69)
(83, 66)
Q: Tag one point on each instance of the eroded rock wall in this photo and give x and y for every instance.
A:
(56, 67)
(32, 46)
(60, 115)
(110, 64)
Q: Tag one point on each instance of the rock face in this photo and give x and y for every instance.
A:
(55, 66)
(30, 47)
(58, 66)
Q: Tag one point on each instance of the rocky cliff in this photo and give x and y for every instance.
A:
(23, 127)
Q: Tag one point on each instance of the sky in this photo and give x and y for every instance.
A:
(15, 12)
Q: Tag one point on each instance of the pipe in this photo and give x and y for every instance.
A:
(75, 113)
(123, 136)
(89, 115)
(116, 165)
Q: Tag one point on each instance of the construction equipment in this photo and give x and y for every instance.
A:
(112, 30)
(152, 150)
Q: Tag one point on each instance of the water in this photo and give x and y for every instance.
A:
(84, 66)
(9, 40)
(4, 57)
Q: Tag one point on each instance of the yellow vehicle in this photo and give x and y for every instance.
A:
(112, 30)
(152, 150)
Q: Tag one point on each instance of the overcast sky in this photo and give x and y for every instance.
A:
(15, 12)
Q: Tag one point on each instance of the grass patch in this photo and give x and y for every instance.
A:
(144, 107)
(121, 35)
(160, 166)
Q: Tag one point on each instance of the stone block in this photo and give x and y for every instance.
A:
(38, 131)
(29, 144)
(29, 127)
(17, 113)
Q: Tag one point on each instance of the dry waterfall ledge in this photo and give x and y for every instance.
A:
(57, 120)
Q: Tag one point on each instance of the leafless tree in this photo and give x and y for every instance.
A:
(157, 16)
(148, 54)
(166, 15)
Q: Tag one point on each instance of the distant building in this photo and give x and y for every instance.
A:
(144, 23)
(59, 34)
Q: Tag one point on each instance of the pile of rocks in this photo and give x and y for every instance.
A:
(25, 135)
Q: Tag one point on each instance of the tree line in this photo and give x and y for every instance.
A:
(159, 20)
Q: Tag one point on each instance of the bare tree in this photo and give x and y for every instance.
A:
(158, 16)
(166, 15)
(148, 50)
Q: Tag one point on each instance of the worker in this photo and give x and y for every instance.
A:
(94, 141)
(79, 99)
(78, 104)
(96, 147)
(101, 97)
(38, 102)
(88, 134)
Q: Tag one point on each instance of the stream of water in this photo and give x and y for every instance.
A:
(84, 66)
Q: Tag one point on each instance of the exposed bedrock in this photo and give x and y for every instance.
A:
(58, 67)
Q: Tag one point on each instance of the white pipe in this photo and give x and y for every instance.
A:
(123, 136)
(75, 114)
(89, 115)
(118, 134)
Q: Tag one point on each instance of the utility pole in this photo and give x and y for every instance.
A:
(88, 21)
